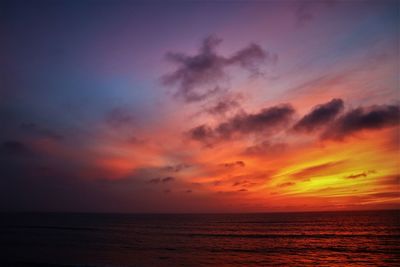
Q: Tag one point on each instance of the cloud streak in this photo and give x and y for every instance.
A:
(162, 180)
(315, 171)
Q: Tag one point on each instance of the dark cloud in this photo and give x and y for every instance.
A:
(359, 119)
(167, 179)
(325, 116)
(222, 107)
(162, 180)
(307, 11)
(202, 133)
(358, 175)
(245, 180)
(176, 168)
(197, 76)
(390, 180)
(390, 194)
(237, 183)
(119, 116)
(217, 182)
(225, 104)
(136, 141)
(36, 130)
(14, 148)
(251, 57)
(320, 115)
(303, 14)
(244, 183)
(361, 174)
(265, 148)
(287, 184)
(234, 164)
(268, 119)
(155, 181)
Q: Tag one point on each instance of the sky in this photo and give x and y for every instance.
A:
(199, 106)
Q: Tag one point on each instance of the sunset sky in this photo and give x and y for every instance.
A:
(199, 106)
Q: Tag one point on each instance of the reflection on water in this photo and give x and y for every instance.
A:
(287, 239)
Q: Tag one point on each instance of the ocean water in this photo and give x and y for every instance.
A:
(270, 239)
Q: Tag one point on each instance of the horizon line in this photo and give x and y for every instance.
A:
(197, 213)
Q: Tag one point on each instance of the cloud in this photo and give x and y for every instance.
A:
(176, 168)
(302, 14)
(118, 117)
(268, 119)
(244, 183)
(251, 57)
(307, 11)
(224, 105)
(287, 184)
(265, 148)
(315, 171)
(14, 148)
(168, 179)
(358, 175)
(155, 181)
(319, 116)
(202, 133)
(197, 76)
(162, 180)
(322, 117)
(234, 164)
(390, 194)
(244, 180)
(359, 119)
(361, 174)
(36, 130)
(390, 180)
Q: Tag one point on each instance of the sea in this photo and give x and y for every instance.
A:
(356, 238)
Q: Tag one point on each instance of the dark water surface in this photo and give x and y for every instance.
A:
(275, 239)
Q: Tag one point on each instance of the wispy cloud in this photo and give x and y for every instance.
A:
(197, 76)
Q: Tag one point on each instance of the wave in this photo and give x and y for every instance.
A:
(55, 228)
(289, 235)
